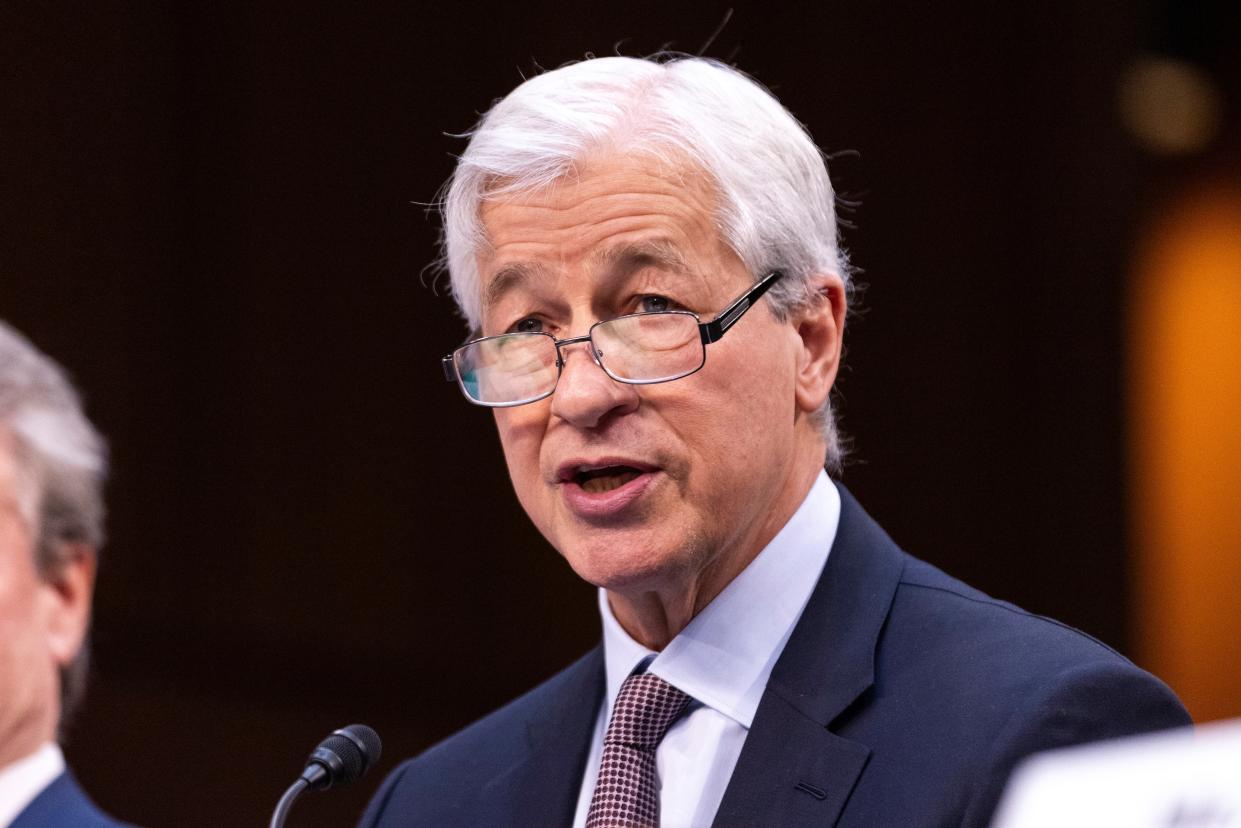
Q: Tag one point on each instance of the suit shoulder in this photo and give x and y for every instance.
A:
(971, 620)
(966, 651)
(958, 649)
(448, 774)
(64, 803)
(505, 730)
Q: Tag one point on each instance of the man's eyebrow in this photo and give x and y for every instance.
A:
(621, 260)
(507, 279)
(632, 256)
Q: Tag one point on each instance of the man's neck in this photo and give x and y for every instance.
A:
(653, 619)
(654, 615)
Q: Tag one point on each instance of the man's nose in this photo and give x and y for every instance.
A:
(585, 395)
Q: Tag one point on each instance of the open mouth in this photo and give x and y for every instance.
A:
(597, 481)
(605, 488)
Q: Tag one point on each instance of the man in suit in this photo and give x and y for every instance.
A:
(647, 254)
(52, 464)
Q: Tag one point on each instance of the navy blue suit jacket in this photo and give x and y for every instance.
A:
(63, 804)
(903, 698)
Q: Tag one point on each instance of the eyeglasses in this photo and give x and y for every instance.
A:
(638, 349)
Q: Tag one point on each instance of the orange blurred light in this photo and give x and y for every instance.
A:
(1185, 384)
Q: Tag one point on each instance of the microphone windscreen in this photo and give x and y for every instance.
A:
(342, 757)
(367, 741)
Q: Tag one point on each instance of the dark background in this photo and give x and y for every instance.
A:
(213, 215)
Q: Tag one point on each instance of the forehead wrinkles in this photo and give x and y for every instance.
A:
(584, 218)
(572, 232)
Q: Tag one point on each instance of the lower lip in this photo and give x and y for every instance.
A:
(609, 504)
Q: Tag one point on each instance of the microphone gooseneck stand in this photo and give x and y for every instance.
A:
(286, 803)
(338, 760)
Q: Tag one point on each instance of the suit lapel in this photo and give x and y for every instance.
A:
(542, 787)
(793, 770)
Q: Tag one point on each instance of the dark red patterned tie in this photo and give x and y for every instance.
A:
(627, 792)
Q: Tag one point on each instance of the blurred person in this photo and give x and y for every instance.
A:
(646, 253)
(52, 466)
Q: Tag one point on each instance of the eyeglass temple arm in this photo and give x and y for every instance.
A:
(450, 370)
(717, 327)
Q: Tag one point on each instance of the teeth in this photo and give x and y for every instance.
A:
(608, 482)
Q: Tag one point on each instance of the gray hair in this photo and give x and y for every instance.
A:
(61, 463)
(777, 206)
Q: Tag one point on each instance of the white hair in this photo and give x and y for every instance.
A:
(56, 444)
(60, 462)
(777, 206)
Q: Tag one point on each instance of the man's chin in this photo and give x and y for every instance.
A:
(617, 570)
(635, 560)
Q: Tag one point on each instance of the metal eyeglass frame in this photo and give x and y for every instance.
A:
(708, 332)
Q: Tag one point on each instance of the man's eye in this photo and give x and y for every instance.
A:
(528, 325)
(654, 304)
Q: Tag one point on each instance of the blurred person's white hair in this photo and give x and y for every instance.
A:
(61, 463)
(777, 206)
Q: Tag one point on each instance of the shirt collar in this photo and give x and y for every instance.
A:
(725, 655)
(25, 779)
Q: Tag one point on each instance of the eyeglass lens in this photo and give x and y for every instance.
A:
(649, 347)
(640, 348)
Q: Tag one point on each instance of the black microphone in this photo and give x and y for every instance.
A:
(338, 760)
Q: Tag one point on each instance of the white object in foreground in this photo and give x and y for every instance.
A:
(1184, 778)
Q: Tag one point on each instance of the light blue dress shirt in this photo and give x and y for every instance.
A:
(722, 659)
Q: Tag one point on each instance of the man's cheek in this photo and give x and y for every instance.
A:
(534, 494)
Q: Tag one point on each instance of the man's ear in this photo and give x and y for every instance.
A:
(821, 330)
(67, 603)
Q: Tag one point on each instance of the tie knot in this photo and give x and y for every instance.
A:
(645, 708)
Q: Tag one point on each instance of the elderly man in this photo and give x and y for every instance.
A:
(51, 522)
(646, 251)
